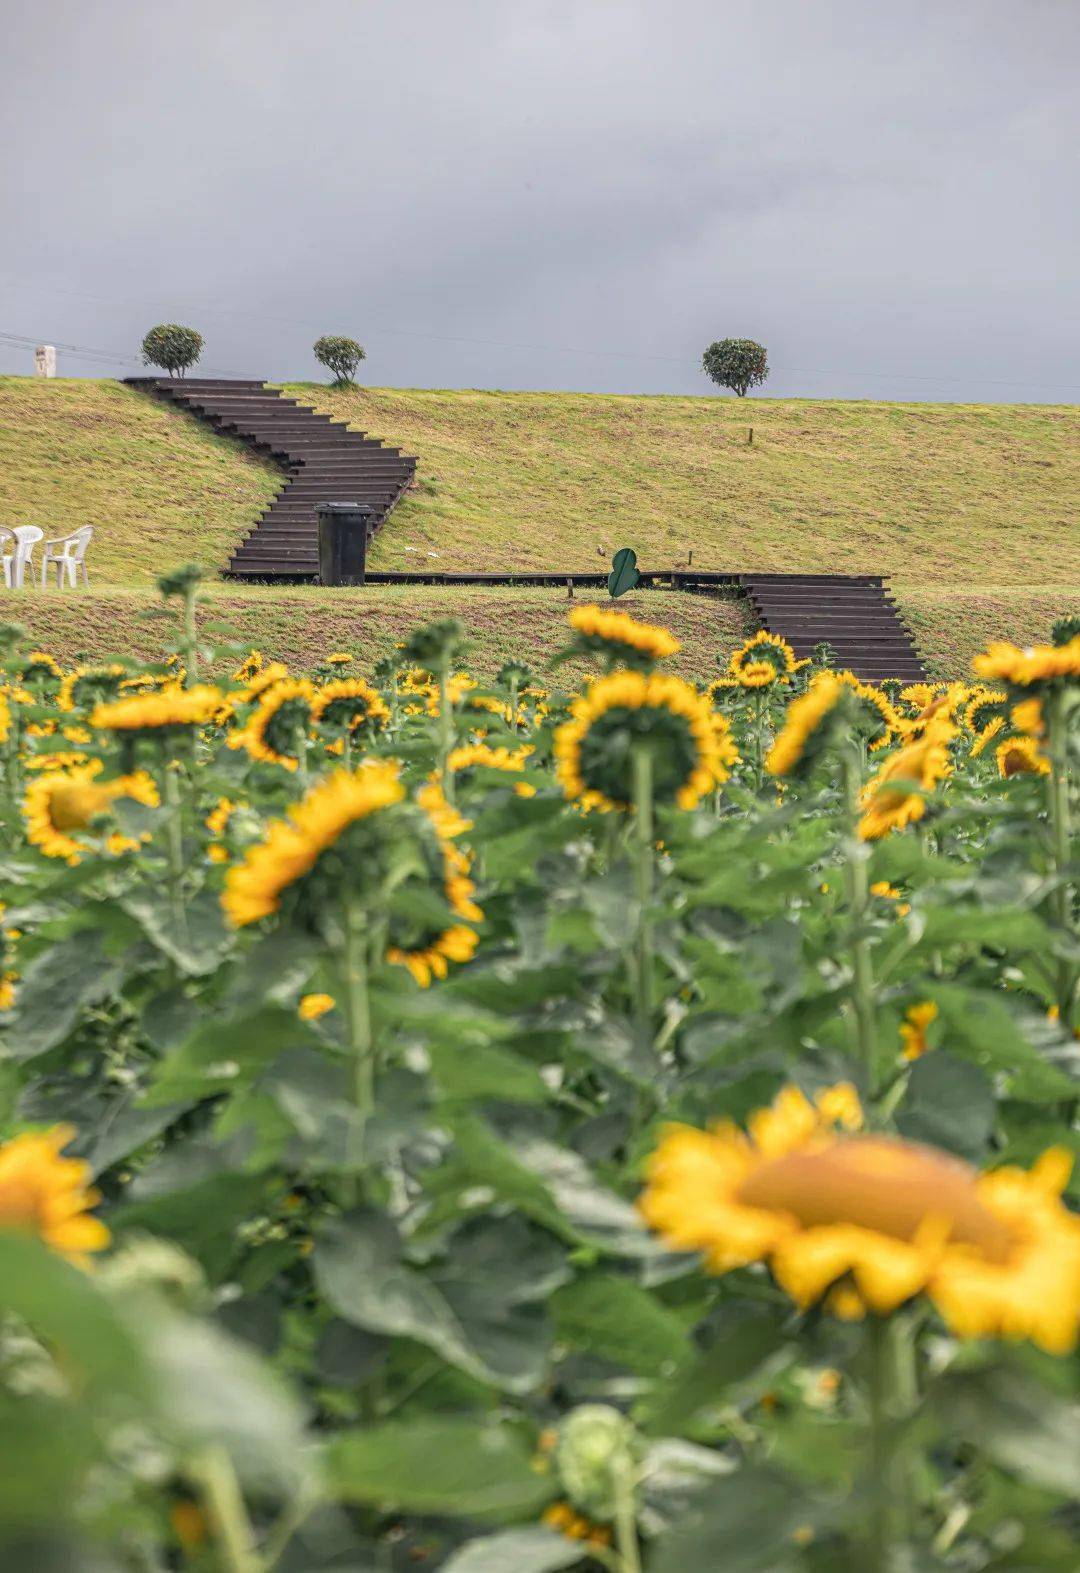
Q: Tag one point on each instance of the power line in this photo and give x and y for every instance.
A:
(550, 349)
(86, 352)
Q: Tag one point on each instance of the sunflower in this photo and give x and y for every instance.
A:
(620, 637)
(349, 704)
(925, 762)
(456, 943)
(43, 1194)
(41, 670)
(165, 711)
(282, 715)
(469, 755)
(887, 721)
(1036, 667)
(1019, 756)
(219, 815)
(764, 647)
(5, 717)
(89, 684)
(58, 804)
(338, 658)
(918, 695)
(66, 760)
(251, 664)
(868, 1222)
(312, 1006)
(982, 706)
(293, 846)
(721, 688)
(426, 951)
(594, 750)
(261, 679)
(917, 1018)
(757, 674)
(987, 735)
(806, 726)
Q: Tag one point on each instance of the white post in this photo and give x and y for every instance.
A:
(45, 360)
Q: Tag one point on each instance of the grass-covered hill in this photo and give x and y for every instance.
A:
(973, 510)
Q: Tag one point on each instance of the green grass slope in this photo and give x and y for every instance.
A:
(159, 487)
(971, 509)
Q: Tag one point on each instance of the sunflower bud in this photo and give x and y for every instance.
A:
(595, 1448)
(145, 1262)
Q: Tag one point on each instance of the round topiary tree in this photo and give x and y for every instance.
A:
(172, 347)
(339, 355)
(738, 364)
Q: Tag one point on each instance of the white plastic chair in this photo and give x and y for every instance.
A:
(67, 554)
(7, 553)
(25, 537)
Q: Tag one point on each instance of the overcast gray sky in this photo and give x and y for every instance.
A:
(552, 193)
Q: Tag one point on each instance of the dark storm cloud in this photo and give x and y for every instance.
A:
(529, 194)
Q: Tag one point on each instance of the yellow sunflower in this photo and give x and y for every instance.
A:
(57, 805)
(1037, 666)
(918, 695)
(252, 663)
(1019, 756)
(456, 943)
(877, 700)
(159, 712)
(987, 736)
(89, 683)
(868, 1222)
(621, 636)
(292, 847)
(757, 674)
(792, 747)
(428, 954)
(349, 703)
(917, 1018)
(41, 669)
(282, 714)
(5, 718)
(767, 647)
(312, 1006)
(887, 803)
(261, 679)
(982, 706)
(44, 1194)
(630, 710)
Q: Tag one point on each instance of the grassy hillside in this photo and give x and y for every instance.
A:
(971, 509)
(948, 494)
(157, 485)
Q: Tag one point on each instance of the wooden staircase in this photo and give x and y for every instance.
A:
(854, 613)
(324, 461)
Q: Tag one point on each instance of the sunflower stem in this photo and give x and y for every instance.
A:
(643, 868)
(358, 1012)
(174, 843)
(1060, 849)
(626, 1531)
(891, 1399)
(446, 730)
(759, 752)
(301, 745)
(213, 1473)
(857, 889)
(191, 638)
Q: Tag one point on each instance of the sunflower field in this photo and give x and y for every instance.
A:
(558, 1123)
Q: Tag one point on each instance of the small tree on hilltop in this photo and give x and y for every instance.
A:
(738, 364)
(339, 355)
(172, 347)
